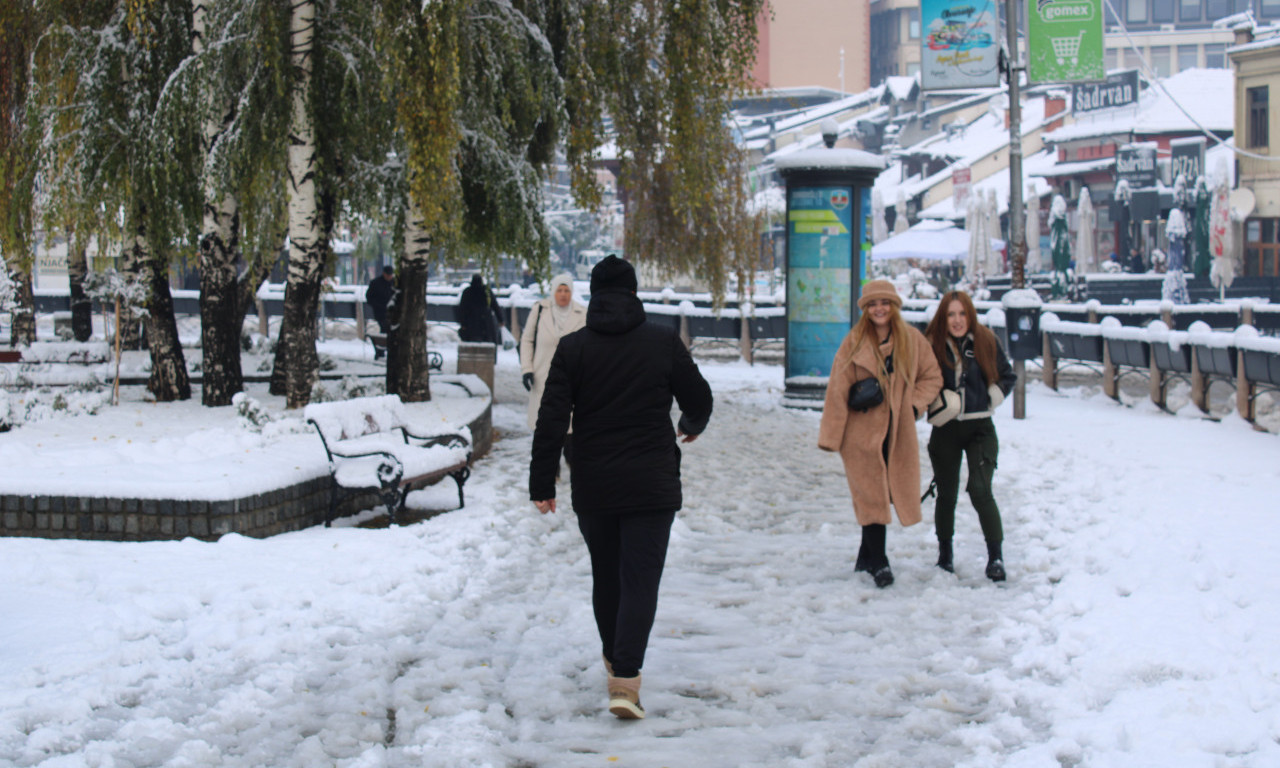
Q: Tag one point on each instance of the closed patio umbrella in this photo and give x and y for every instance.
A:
(1200, 259)
(1033, 231)
(1174, 288)
(1086, 226)
(1221, 241)
(1060, 244)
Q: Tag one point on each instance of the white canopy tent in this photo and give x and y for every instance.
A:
(929, 240)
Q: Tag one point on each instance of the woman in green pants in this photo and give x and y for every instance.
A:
(977, 376)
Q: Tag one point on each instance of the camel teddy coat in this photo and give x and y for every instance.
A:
(538, 345)
(860, 437)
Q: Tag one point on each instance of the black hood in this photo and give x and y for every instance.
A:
(615, 312)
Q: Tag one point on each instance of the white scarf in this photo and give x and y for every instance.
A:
(561, 316)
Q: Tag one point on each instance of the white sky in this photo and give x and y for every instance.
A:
(1138, 626)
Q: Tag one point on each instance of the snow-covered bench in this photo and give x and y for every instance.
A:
(372, 448)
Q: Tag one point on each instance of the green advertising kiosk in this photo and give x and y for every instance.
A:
(828, 245)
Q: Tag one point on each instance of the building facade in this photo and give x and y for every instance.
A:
(895, 39)
(805, 43)
(1257, 72)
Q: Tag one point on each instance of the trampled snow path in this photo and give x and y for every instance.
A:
(1138, 626)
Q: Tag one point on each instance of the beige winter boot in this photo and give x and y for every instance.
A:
(624, 697)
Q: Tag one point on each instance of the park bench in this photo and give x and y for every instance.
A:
(372, 449)
(435, 361)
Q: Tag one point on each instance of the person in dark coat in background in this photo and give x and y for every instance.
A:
(976, 378)
(478, 313)
(378, 296)
(616, 378)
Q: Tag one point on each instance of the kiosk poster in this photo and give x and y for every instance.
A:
(1064, 41)
(960, 47)
(820, 275)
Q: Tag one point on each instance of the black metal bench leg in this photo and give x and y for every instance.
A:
(460, 477)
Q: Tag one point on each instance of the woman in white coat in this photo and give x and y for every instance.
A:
(549, 320)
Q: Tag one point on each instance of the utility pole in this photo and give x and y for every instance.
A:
(1017, 228)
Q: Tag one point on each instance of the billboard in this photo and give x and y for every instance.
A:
(821, 227)
(959, 44)
(1064, 41)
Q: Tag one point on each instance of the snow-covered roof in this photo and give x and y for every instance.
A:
(998, 181)
(1256, 45)
(1207, 94)
(1080, 166)
(984, 135)
(901, 87)
(830, 159)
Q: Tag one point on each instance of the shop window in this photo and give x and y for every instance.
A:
(1188, 57)
(1160, 60)
(1256, 103)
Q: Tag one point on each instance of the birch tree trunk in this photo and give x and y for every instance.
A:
(296, 352)
(81, 304)
(407, 372)
(169, 380)
(220, 319)
(23, 316)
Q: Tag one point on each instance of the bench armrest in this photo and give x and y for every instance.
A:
(390, 469)
(448, 439)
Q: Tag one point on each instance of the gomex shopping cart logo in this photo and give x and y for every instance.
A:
(1065, 10)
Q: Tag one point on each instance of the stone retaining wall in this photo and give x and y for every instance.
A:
(264, 514)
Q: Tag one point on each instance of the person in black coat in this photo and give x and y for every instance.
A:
(378, 296)
(616, 378)
(478, 313)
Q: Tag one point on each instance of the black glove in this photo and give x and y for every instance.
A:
(528, 382)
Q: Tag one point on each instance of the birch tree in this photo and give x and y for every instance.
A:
(19, 28)
(129, 165)
(665, 73)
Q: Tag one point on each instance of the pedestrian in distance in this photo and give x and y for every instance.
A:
(550, 319)
(478, 314)
(378, 296)
(616, 378)
(883, 377)
(977, 377)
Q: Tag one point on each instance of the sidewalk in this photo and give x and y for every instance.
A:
(1136, 628)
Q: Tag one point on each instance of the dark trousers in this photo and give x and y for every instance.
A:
(976, 441)
(627, 556)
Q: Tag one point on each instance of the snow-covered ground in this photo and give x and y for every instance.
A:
(1138, 627)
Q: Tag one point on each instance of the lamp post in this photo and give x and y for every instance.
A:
(1017, 228)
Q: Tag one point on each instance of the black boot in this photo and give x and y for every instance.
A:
(995, 562)
(883, 577)
(945, 559)
(872, 557)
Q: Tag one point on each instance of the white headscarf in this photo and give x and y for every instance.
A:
(560, 316)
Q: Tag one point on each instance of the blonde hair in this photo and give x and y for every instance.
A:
(904, 346)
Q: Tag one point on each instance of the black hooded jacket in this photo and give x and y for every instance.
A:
(616, 378)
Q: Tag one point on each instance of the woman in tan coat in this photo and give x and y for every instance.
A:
(550, 319)
(878, 445)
